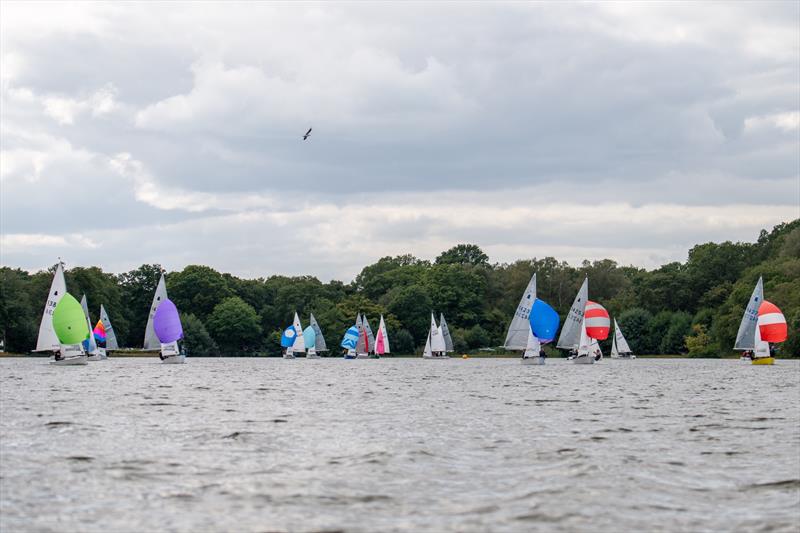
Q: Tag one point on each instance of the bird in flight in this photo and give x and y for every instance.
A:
(307, 135)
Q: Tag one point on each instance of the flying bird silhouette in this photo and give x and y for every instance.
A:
(307, 135)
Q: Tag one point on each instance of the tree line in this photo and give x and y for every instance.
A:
(682, 307)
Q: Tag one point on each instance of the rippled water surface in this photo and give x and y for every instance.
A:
(407, 445)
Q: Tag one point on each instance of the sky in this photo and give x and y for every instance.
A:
(171, 133)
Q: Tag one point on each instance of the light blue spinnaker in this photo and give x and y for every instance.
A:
(310, 336)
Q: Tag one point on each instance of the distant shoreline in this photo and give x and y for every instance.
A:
(141, 353)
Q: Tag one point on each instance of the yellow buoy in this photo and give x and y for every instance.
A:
(764, 361)
(464, 356)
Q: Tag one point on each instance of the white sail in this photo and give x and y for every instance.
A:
(573, 324)
(532, 344)
(383, 334)
(619, 340)
(614, 351)
(47, 340)
(151, 341)
(299, 342)
(437, 339)
(111, 337)
(745, 338)
(92, 342)
(319, 345)
(761, 346)
(370, 336)
(517, 336)
(448, 340)
(584, 343)
(427, 351)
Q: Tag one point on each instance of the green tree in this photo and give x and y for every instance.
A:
(679, 327)
(196, 339)
(197, 290)
(635, 325)
(699, 343)
(463, 254)
(411, 306)
(402, 342)
(234, 325)
(137, 289)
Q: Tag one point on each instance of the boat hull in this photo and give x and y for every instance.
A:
(435, 357)
(288, 356)
(312, 356)
(533, 360)
(174, 360)
(362, 356)
(764, 361)
(71, 361)
(586, 360)
(97, 357)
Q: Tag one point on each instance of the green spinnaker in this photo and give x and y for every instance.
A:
(69, 322)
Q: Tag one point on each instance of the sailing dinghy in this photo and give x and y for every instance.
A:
(168, 329)
(543, 323)
(151, 341)
(520, 333)
(585, 322)
(362, 347)
(350, 341)
(71, 329)
(762, 323)
(435, 347)
(370, 340)
(93, 351)
(48, 340)
(619, 346)
(111, 336)
(287, 341)
(310, 339)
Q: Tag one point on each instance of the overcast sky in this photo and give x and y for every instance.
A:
(171, 132)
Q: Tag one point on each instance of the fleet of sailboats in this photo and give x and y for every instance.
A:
(66, 330)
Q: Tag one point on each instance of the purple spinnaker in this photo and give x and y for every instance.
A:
(167, 322)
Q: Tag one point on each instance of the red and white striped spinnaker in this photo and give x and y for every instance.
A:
(597, 320)
(771, 323)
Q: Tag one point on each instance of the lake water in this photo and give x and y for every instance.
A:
(399, 445)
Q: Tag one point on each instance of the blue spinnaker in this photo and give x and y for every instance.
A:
(544, 321)
(287, 339)
(350, 338)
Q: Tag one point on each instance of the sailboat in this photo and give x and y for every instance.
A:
(168, 329)
(100, 337)
(362, 347)
(47, 341)
(310, 339)
(350, 341)
(370, 339)
(319, 342)
(299, 345)
(520, 333)
(71, 330)
(111, 336)
(151, 341)
(619, 346)
(382, 339)
(435, 347)
(585, 322)
(448, 340)
(762, 323)
(93, 351)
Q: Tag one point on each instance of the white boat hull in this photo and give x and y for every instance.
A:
(70, 361)
(585, 360)
(97, 357)
(362, 356)
(312, 356)
(533, 360)
(436, 357)
(174, 360)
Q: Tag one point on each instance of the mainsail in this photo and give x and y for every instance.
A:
(382, 339)
(370, 336)
(532, 345)
(90, 344)
(517, 336)
(151, 341)
(299, 342)
(361, 346)
(745, 338)
(448, 340)
(319, 343)
(111, 337)
(48, 340)
(573, 325)
(584, 341)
